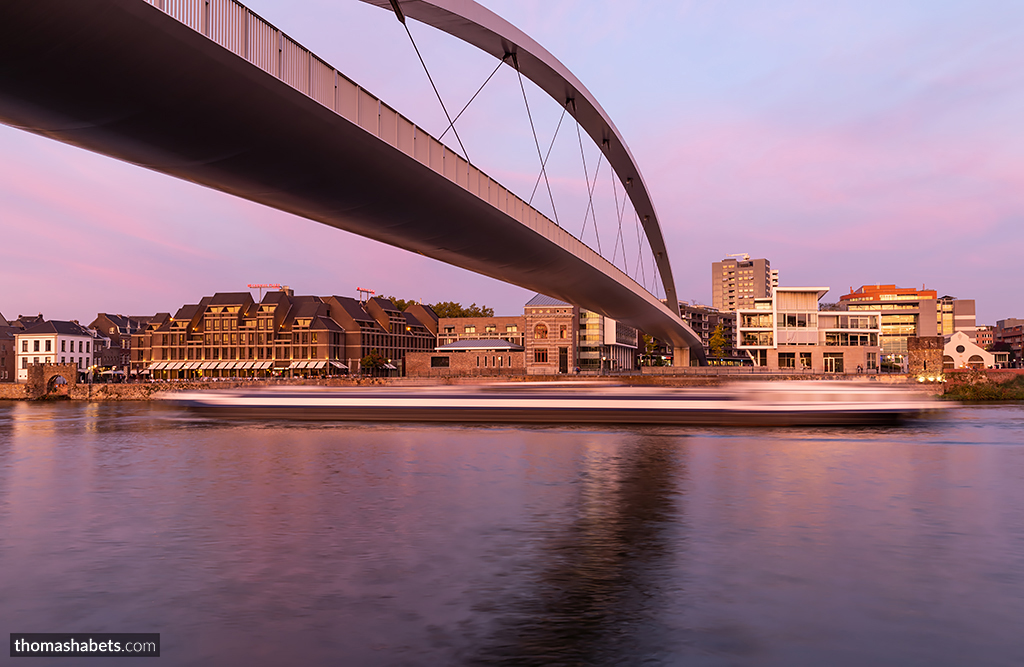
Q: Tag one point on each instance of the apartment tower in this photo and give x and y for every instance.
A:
(735, 283)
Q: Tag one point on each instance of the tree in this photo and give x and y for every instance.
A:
(447, 308)
(718, 342)
(453, 309)
(829, 306)
(374, 361)
(401, 304)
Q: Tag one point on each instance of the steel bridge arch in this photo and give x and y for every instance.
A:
(480, 27)
(209, 92)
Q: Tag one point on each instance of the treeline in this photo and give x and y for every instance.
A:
(447, 308)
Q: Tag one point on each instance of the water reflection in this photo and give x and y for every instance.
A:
(265, 543)
(601, 581)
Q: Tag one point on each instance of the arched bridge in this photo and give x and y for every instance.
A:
(207, 91)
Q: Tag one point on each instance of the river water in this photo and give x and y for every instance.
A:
(287, 543)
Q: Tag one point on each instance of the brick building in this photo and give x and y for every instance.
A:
(7, 355)
(1011, 332)
(454, 329)
(230, 335)
(551, 326)
(484, 357)
(118, 329)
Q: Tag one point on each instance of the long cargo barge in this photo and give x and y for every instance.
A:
(747, 403)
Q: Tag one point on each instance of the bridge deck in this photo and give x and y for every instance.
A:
(125, 79)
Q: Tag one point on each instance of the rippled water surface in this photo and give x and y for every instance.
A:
(286, 543)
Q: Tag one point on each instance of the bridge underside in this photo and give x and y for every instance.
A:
(121, 78)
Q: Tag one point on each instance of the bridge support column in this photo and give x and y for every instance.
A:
(681, 356)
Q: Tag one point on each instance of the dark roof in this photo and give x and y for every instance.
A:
(386, 304)
(412, 320)
(273, 297)
(354, 308)
(306, 308)
(321, 323)
(187, 312)
(231, 298)
(3, 322)
(427, 310)
(57, 327)
(542, 300)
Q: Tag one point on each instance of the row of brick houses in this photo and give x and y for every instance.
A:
(229, 334)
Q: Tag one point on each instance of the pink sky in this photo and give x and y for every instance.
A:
(848, 142)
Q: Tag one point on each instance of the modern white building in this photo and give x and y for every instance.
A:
(787, 332)
(53, 342)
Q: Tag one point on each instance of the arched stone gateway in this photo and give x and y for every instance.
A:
(42, 379)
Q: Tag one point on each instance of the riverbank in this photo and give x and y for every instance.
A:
(144, 391)
(983, 387)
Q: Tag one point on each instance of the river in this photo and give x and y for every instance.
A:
(254, 542)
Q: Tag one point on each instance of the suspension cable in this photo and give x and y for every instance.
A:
(451, 123)
(546, 157)
(543, 171)
(590, 190)
(639, 251)
(459, 115)
(619, 212)
(590, 208)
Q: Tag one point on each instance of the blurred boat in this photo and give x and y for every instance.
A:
(744, 403)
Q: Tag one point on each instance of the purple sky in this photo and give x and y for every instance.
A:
(848, 142)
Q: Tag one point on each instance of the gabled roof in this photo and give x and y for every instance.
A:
(542, 300)
(273, 297)
(354, 309)
(187, 311)
(231, 299)
(325, 323)
(306, 308)
(386, 304)
(57, 327)
(413, 321)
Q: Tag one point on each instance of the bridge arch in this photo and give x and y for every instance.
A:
(207, 91)
(480, 27)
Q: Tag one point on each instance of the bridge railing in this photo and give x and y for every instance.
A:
(238, 29)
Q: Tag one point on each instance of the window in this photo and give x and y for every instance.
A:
(63, 346)
(490, 328)
(541, 331)
(79, 346)
(511, 328)
(540, 356)
(439, 362)
(872, 361)
(24, 346)
(787, 360)
(49, 344)
(470, 329)
(35, 346)
(833, 362)
(805, 360)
